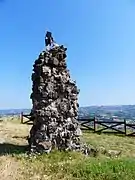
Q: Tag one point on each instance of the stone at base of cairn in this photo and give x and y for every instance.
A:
(55, 107)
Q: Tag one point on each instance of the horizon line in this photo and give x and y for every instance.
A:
(79, 107)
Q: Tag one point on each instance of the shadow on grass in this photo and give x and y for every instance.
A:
(6, 148)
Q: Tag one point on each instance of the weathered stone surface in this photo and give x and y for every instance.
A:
(55, 107)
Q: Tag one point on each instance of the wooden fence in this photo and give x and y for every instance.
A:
(96, 125)
(26, 116)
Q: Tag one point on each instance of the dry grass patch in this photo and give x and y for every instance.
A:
(13, 132)
(112, 142)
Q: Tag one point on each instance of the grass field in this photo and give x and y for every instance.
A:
(115, 160)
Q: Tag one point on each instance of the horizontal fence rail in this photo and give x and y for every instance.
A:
(95, 125)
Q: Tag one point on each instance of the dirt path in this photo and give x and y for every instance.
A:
(9, 168)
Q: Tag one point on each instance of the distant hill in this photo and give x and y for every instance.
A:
(123, 111)
(120, 111)
(13, 111)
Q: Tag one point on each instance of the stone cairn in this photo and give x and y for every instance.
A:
(55, 107)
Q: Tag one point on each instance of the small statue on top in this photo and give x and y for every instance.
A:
(49, 41)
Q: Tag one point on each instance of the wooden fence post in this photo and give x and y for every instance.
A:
(125, 127)
(21, 117)
(94, 124)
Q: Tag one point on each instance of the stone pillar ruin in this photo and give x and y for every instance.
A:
(55, 104)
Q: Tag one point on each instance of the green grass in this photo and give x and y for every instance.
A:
(68, 165)
(75, 166)
(105, 169)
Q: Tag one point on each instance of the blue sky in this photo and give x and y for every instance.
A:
(99, 34)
